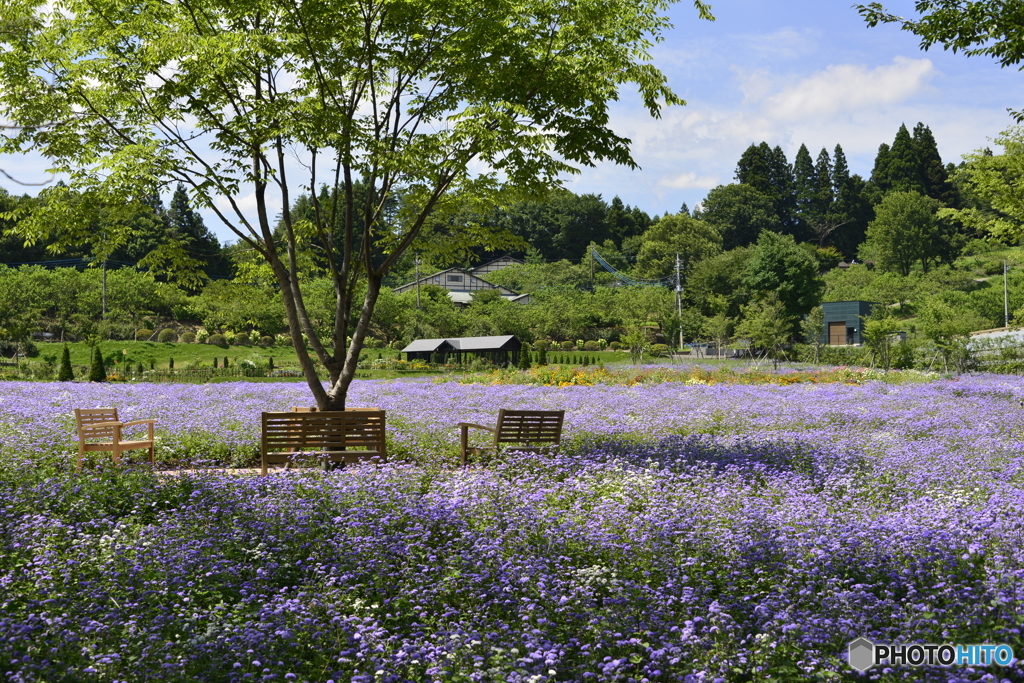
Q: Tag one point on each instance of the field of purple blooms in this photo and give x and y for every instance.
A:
(686, 533)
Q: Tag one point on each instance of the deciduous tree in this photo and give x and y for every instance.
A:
(412, 96)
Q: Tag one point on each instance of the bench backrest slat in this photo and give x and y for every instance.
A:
(529, 426)
(362, 430)
(86, 417)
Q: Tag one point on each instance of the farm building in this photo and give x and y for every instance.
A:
(844, 322)
(500, 350)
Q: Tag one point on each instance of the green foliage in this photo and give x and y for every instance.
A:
(680, 234)
(905, 231)
(779, 265)
(767, 325)
(993, 184)
(740, 213)
(217, 340)
(65, 374)
(266, 86)
(187, 337)
(167, 335)
(97, 370)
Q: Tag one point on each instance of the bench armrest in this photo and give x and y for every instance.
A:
(466, 425)
(138, 422)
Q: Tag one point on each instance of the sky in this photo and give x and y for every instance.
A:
(781, 71)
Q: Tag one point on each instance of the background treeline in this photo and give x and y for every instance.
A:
(758, 255)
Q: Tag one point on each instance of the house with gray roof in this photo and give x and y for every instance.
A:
(500, 350)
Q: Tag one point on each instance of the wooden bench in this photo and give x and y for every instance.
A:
(524, 430)
(334, 436)
(103, 424)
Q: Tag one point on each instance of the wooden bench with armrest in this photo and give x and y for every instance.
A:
(332, 436)
(103, 424)
(525, 430)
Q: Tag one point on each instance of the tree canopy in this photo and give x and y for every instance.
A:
(448, 102)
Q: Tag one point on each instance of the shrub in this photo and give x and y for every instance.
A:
(187, 337)
(97, 371)
(143, 334)
(591, 346)
(542, 345)
(567, 346)
(202, 335)
(241, 339)
(659, 350)
(229, 337)
(615, 346)
(65, 374)
(170, 363)
(217, 340)
(602, 344)
(266, 341)
(167, 335)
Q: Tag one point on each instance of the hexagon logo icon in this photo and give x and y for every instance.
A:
(862, 654)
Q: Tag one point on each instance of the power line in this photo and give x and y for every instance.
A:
(622, 277)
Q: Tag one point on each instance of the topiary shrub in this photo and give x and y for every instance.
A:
(65, 374)
(567, 346)
(187, 337)
(97, 371)
(266, 341)
(591, 346)
(167, 335)
(615, 346)
(143, 334)
(241, 339)
(659, 350)
(217, 340)
(541, 345)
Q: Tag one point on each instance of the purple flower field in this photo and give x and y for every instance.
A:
(686, 533)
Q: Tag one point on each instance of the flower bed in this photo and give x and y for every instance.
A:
(689, 532)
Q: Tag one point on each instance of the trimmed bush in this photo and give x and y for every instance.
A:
(266, 341)
(615, 346)
(217, 340)
(65, 374)
(202, 336)
(541, 345)
(170, 363)
(143, 334)
(567, 346)
(659, 350)
(591, 346)
(97, 371)
(167, 335)
(241, 339)
(187, 338)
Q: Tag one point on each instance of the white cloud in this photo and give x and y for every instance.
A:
(689, 181)
(846, 88)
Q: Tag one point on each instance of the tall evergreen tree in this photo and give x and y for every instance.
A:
(199, 240)
(619, 218)
(850, 208)
(936, 178)
(904, 171)
(824, 192)
(805, 189)
(65, 374)
(768, 171)
(782, 185)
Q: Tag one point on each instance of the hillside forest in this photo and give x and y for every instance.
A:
(928, 240)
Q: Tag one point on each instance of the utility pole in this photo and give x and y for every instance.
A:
(679, 300)
(1006, 296)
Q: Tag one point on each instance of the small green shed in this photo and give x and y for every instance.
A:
(844, 322)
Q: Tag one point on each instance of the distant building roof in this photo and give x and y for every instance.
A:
(429, 345)
(496, 343)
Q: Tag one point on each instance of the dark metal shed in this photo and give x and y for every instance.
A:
(844, 322)
(500, 350)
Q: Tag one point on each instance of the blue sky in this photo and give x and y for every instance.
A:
(786, 72)
(791, 72)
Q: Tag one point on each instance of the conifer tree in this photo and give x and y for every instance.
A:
(805, 187)
(65, 374)
(97, 371)
(936, 178)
